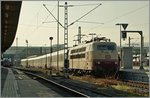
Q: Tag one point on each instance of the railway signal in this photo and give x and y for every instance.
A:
(124, 25)
(51, 38)
(124, 35)
(142, 45)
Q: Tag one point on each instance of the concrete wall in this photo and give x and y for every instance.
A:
(127, 57)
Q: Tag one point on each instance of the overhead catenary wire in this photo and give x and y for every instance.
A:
(78, 18)
(52, 15)
(85, 5)
(76, 5)
(41, 24)
(49, 21)
(84, 15)
(49, 14)
(90, 22)
(27, 30)
(123, 15)
(136, 40)
(38, 25)
(45, 20)
(32, 25)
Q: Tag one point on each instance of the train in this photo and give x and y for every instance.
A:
(96, 56)
(6, 62)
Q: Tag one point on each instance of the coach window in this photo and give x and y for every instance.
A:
(76, 50)
(71, 57)
(82, 56)
(80, 49)
(84, 48)
(71, 51)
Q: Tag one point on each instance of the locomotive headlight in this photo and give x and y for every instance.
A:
(98, 62)
(116, 62)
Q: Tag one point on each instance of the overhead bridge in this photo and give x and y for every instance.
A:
(10, 11)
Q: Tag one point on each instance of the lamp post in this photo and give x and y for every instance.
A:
(27, 52)
(50, 48)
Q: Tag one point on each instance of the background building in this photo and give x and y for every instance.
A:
(15, 54)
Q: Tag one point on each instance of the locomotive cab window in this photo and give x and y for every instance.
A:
(106, 47)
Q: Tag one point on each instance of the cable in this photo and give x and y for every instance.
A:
(30, 25)
(49, 22)
(84, 15)
(90, 22)
(49, 14)
(52, 15)
(41, 24)
(125, 14)
(85, 5)
(44, 22)
(130, 12)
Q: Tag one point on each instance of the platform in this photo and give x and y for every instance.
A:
(17, 84)
(135, 74)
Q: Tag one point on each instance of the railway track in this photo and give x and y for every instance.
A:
(139, 88)
(137, 84)
(87, 90)
(75, 89)
(91, 91)
(135, 87)
(74, 93)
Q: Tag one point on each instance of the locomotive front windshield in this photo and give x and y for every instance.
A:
(106, 47)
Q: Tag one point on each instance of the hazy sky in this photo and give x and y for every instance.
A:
(33, 14)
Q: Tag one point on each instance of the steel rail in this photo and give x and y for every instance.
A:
(75, 93)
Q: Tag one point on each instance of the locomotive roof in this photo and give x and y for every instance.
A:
(90, 43)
